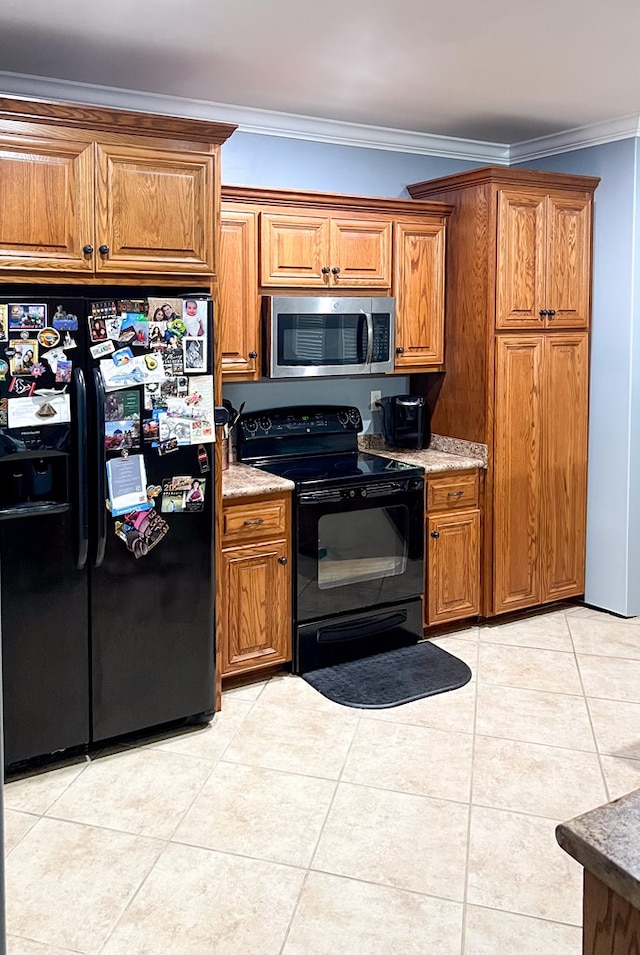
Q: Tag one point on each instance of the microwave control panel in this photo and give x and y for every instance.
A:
(380, 339)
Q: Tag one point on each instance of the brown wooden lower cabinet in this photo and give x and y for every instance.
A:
(611, 925)
(453, 548)
(256, 580)
(540, 477)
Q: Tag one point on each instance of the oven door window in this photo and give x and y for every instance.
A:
(311, 340)
(370, 545)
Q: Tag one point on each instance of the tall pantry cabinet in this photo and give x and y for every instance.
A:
(518, 282)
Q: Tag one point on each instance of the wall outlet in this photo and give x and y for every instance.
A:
(375, 397)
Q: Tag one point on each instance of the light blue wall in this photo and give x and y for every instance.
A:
(634, 430)
(613, 513)
(249, 159)
(276, 162)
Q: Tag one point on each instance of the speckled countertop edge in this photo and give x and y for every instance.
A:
(443, 454)
(242, 480)
(606, 841)
(470, 449)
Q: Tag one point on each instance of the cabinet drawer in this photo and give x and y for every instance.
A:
(250, 521)
(454, 491)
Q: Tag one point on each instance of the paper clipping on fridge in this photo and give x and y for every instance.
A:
(49, 407)
(127, 483)
(139, 371)
(189, 419)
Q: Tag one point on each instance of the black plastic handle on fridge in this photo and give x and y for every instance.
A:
(100, 509)
(82, 473)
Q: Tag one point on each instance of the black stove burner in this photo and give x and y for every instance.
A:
(301, 473)
(338, 468)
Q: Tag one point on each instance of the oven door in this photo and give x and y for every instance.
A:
(359, 547)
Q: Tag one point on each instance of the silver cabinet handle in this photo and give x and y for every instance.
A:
(455, 493)
(258, 520)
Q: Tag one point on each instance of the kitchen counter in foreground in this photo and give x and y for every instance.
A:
(606, 841)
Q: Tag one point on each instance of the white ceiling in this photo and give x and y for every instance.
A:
(500, 71)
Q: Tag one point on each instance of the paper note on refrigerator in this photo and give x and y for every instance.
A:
(38, 410)
(141, 370)
(127, 482)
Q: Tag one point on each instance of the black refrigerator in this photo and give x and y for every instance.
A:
(106, 514)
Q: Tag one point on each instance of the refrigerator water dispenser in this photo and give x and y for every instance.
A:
(34, 482)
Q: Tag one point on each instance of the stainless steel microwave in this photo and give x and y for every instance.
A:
(314, 335)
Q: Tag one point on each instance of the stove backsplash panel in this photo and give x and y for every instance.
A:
(299, 391)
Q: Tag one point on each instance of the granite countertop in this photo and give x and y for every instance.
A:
(241, 480)
(443, 454)
(606, 841)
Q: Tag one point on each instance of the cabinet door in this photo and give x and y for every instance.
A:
(46, 206)
(293, 250)
(419, 294)
(520, 275)
(568, 261)
(362, 252)
(453, 566)
(239, 317)
(257, 617)
(516, 479)
(564, 465)
(154, 211)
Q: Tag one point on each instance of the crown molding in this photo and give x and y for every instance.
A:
(261, 121)
(581, 137)
(294, 126)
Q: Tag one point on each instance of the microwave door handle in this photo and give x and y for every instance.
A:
(369, 318)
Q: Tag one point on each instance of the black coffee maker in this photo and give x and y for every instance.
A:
(406, 422)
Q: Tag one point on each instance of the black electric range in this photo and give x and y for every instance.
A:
(330, 470)
(358, 532)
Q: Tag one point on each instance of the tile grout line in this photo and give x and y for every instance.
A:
(356, 724)
(167, 843)
(463, 926)
(590, 718)
(133, 896)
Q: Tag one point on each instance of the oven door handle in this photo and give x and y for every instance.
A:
(369, 318)
(355, 631)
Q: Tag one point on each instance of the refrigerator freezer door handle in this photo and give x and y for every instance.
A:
(100, 508)
(81, 475)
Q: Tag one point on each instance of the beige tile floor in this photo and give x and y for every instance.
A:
(293, 825)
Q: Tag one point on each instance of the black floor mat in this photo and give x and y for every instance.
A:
(392, 678)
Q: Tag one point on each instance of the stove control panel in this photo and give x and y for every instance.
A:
(283, 422)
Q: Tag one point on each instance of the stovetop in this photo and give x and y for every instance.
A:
(337, 470)
(315, 446)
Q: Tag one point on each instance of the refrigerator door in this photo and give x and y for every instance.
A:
(152, 613)
(43, 526)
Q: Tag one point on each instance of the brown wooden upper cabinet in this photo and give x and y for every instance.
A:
(277, 239)
(543, 260)
(98, 192)
(46, 205)
(312, 250)
(419, 292)
(239, 302)
(154, 211)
